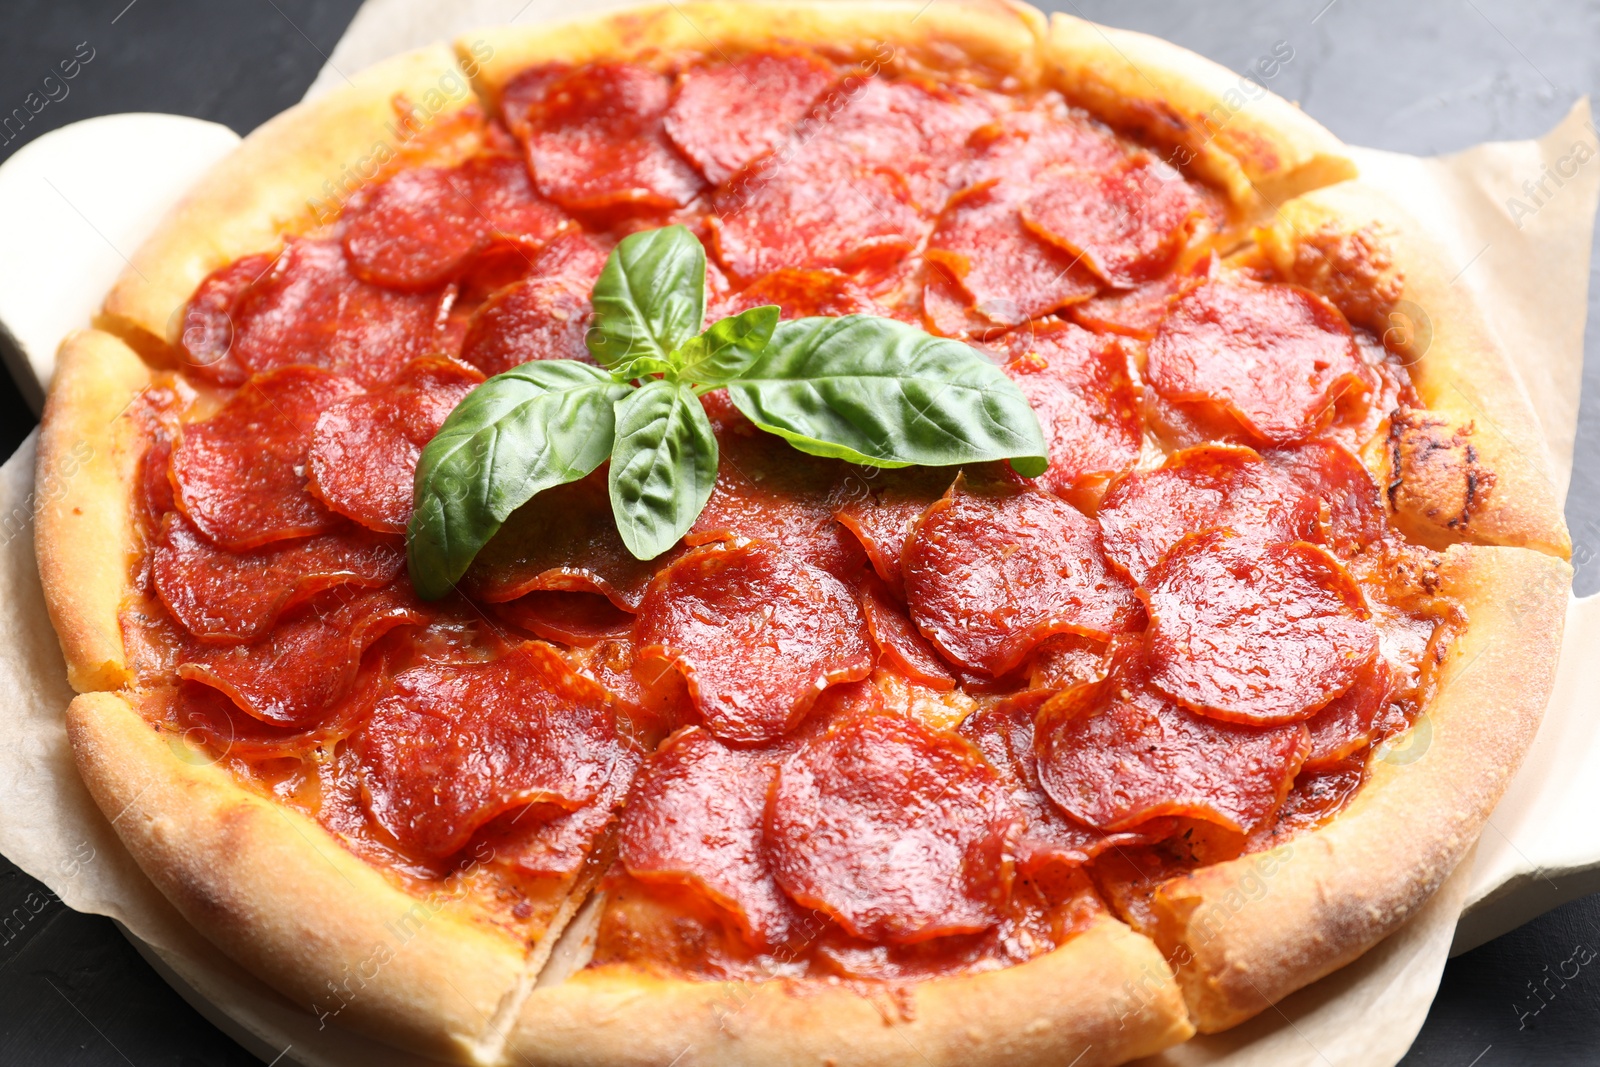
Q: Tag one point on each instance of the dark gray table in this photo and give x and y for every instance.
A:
(1426, 77)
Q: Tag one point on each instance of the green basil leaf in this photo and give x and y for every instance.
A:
(535, 426)
(879, 392)
(649, 299)
(727, 349)
(662, 467)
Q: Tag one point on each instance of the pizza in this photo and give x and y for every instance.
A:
(1076, 572)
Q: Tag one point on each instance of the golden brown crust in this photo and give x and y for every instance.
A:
(1250, 931)
(89, 448)
(1105, 997)
(1259, 148)
(279, 894)
(288, 176)
(988, 40)
(1474, 467)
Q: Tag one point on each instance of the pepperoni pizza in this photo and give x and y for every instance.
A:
(876, 764)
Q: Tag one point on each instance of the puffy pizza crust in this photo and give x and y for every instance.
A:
(1250, 931)
(89, 449)
(1474, 467)
(1105, 997)
(287, 177)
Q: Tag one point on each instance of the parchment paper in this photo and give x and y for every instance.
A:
(1531, 282)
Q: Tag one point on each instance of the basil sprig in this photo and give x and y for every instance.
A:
(868, 390)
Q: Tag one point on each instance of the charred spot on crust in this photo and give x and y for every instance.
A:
(1354, 270)
(1437, 480)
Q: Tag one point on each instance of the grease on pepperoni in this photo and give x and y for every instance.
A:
(800, 294)
(1084, 393)
(309, 308)
(455, 744)
(306, 665)
(582, 620)
(223, 596)
(1255, 633)
(991, 573)
(595, 140)
(882, 511)
(758, 635)
(1275, 357)
(364, 449)
(725, 115)
(898, 833)
(420, 228)
(1118, 754)
(1127, 222)
(695, 818)
(1344, 726)
(240, 476)
(565, 538)
(208, 334)
(900, 646)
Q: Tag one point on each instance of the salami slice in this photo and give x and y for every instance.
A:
(1345, 725)
(419, 229)
(881, 512)
(457, 743)
(1275, 357)
(989, 574)
(537, 318)
(757, 634)
(1207, 487)
(900, 646)
(1349, 509)
(1020, 144)
(1084, 393)
(1253, 633)
(1118, 754)
(1006, 274)
(565, 538)
(208, 334)
(304, 666)
(725, 115)
(240, 475)
(582, 620)
(310, 309)
(695, 818)
(801, 294)
(1127, 222)
(595, 140)
(223, 597)
(898, 833)
(1003, 732)
(364, 449)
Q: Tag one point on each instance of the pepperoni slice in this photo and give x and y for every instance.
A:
(1003, 732)
(364, 450)
(1137, 312)
(419, 228)
(884, 507)
(240, 475)
(1065, 661)
(207, 337)
(1252, 633)
(1345, 725)
(456, 744)
(1127, 222)
(565, 538)
(1021, 144)
(801, 294)
(558, 847)
(594, 137)
(1207, 487)
(583, 620)
(757, 634)
(1119, 754)
(306, 665)
(916, 130)
(1276, 357)
(990, 574)
(223, 596)
(311, 309)
(538, 318)
(900, 834)
(1083, 391)
(767, 490)
(1006, 274)
(1351, 513)
(724, 116)
(695, 818)
(900, 646)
